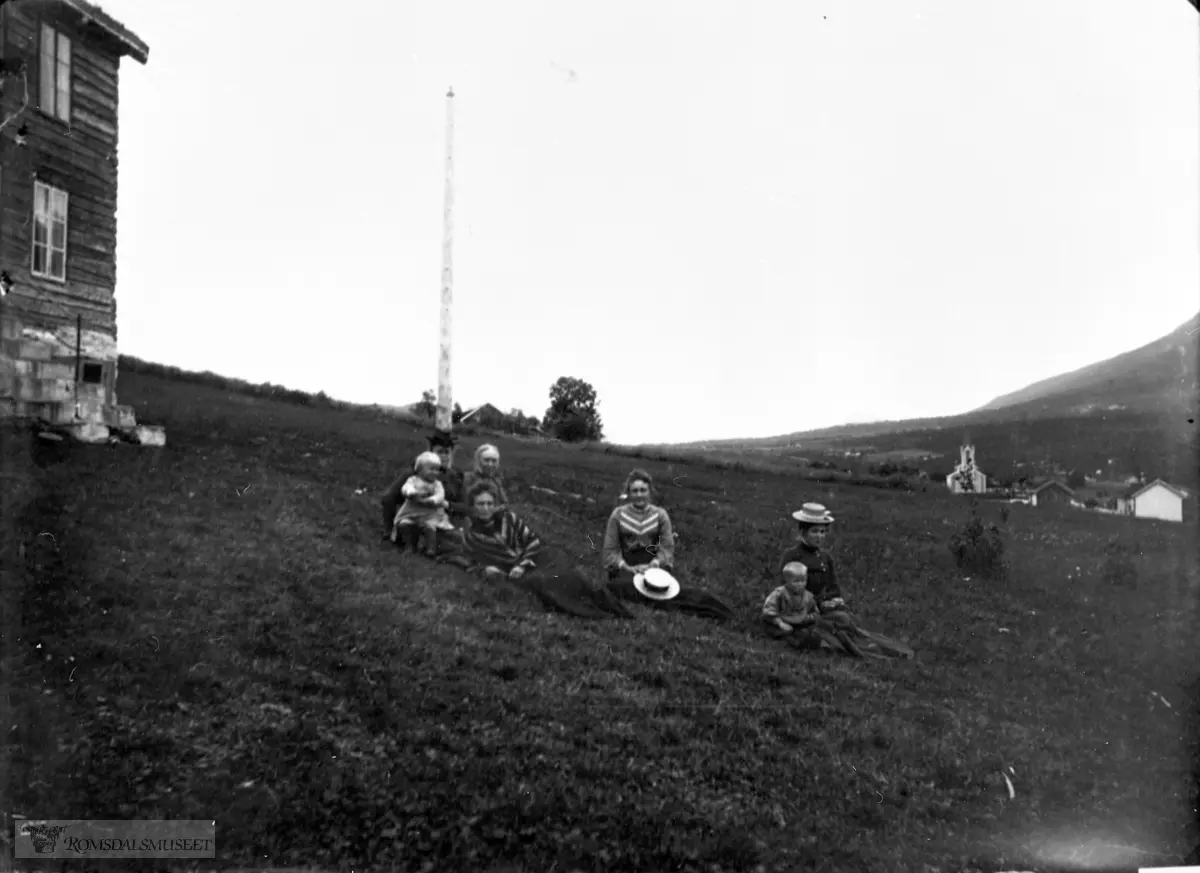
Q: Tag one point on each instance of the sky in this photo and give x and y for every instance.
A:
(733, 219)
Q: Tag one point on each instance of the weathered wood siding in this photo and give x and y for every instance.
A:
(79, 158)
(1053, 496)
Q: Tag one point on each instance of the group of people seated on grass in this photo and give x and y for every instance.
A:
(463, 519)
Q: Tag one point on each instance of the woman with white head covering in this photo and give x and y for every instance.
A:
(487, 469)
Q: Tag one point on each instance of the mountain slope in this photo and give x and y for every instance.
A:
(1159, 376)
(1157, 380)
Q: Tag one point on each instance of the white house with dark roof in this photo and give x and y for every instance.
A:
(1157, 499)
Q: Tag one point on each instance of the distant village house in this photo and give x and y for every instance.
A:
(1157, 499)
(486, 415)
(1052, 493)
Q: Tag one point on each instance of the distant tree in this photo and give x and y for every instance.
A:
(572, 415)
(456, 413)
(1076, 479)
(572, 428)
(427, 408)
(516, 421)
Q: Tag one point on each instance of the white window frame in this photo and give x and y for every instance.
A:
(54, 78)
(50, 205)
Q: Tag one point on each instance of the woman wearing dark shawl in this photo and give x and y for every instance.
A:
(497, 545)
(639, 537)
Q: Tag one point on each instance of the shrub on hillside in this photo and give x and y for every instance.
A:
(892, 468)
(978, 549)
(1119, 567)
(571, 428)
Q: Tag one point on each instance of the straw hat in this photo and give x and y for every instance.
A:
(813, 513)
(656, 583)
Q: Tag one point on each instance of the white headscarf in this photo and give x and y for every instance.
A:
(484, 451)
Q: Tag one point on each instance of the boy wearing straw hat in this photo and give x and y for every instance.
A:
(813, 521)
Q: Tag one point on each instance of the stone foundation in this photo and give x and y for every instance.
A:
(38, 381)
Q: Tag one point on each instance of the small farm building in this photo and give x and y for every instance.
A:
(1157, 499)
(1052, 493)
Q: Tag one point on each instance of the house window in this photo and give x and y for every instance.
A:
(49, 232)
(93, 374)
(54, 83)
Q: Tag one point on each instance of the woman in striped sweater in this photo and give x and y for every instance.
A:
(496, 540)
(497, 545)
(639, 534)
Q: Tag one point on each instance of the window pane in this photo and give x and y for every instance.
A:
(58, 205)
(62, 107)
(63, 104)
(39, 258)
(58, 234)
(58, 264)
(46, 77)
(39, 231)
(41, 200)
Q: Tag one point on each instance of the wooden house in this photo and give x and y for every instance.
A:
(486, 415)
(1052, 492)
(59, 74)
(1156, 499)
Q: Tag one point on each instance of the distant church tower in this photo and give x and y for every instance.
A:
(966, 478)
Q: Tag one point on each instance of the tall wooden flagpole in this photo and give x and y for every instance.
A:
(444, 418)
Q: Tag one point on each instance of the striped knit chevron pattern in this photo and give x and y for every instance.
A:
(634, 534)
(638, 524)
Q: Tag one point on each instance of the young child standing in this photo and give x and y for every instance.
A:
(791, 609)
(423, 512)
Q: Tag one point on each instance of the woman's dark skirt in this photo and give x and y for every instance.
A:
(689, 600)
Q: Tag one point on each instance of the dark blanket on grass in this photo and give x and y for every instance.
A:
(690, 601)
(845, 635)
(556, 582)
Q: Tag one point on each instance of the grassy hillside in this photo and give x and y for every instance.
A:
(213, 629)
